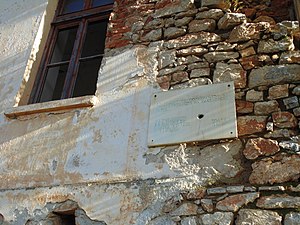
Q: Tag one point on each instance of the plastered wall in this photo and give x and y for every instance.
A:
(98, 156)
(103, 144)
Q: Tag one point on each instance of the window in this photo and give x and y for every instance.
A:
(73, 52)
(297, 9)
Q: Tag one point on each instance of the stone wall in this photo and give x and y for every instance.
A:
(258, 51)
(232, 205)
(103, 163)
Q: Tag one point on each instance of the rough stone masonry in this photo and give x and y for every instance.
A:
(210, 43)
(253, 179)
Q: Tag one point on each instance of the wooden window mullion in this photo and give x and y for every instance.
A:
(88, 4)
(60, 7)
(71, 74)
(85, 14)
(39, 83)
(297, 9)
(68, 83)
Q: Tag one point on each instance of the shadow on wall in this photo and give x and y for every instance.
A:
(68, 147)
(64, 145)
(17, 20)
(29, 10)
(11, 68)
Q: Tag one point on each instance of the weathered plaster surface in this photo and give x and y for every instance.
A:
(19, 21)
(119, 204)
(103, 144)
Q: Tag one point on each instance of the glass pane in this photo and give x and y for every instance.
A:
(95, 39)
(73, 6)
(87, 78)
(97, 3)
(54, 83)
(64, 45)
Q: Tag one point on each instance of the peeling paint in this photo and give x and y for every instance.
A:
(98, 156)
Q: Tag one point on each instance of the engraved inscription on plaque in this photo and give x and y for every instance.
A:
(193, 114)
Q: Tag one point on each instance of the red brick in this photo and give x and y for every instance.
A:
(125, 2)
(116, 43)
(120, 29)
(132, 19)
(117, 21)
(111, 37)
(122, 14)
(145, 8)
(148, 20)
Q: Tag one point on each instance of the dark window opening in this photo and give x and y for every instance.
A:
(67, 219)
(54, 83)
(97, 3)
(64, 45)
(297, 9)
(87, 77)
(74, 51)
(72, 6)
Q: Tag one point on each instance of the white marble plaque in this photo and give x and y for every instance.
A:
(193, 114)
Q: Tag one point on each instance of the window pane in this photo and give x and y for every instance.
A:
(54, 83)
(87, 77)
(73, 6)
(97, 3)
(95, 39)
(64, 45)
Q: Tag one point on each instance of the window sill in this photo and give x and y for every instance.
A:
(52, 106)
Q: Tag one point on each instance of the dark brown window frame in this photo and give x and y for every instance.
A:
(81, 19)
(297, 9)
